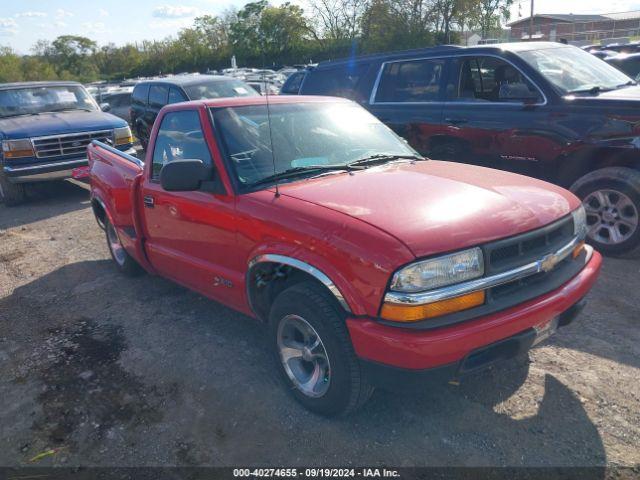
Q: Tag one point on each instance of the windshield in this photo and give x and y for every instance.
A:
(571, 69)
(35, 100)
(303, 135)
(219, 89)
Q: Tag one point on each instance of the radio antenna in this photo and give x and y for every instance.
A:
(273, 156)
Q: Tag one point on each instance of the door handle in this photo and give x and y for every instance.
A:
(456, 121)
(148, 201)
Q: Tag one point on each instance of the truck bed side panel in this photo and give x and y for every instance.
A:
(112, 183)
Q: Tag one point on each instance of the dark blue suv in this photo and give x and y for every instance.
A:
(544, 109)
(45, 128)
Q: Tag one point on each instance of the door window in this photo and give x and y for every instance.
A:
(293, 83)
(410, 81)
(180, 138)
(140, 94)
(337, 82)
(489, 79)
(158, 95)
(176, 96)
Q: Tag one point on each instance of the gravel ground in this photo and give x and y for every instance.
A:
(108, 370)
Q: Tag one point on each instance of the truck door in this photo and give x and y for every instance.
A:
(407, 96)
(495, 116)
(190, 235)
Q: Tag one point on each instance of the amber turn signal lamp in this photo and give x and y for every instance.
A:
(18, 153)
(578, 249)
(413, 313)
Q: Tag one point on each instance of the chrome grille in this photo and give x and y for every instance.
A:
(525, 248)
(69, 144)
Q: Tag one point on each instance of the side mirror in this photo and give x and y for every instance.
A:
(105, 107)
(184, 175)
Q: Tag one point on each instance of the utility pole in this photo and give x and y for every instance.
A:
(531, 23)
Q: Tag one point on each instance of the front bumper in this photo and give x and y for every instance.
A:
(45, 171)
(417, 350)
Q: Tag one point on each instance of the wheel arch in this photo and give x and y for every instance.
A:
(573, 167)
(269, 274)
(100, 211)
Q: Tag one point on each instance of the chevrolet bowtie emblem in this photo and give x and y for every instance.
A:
(549, 262)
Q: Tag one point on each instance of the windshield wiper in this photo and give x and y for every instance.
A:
(592, 90)
(19, 114)
(383, 158)
(630, 83)
(297, 171)
(67, 109)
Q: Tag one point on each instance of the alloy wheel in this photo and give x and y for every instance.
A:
(119, 254)
(303, 356)
(612, 217)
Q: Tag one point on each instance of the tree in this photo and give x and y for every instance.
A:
(10, 66)
(338, 20)
(486, 15)
(262, 33)
(72, 56)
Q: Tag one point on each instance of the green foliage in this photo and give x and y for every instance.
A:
(261, 34)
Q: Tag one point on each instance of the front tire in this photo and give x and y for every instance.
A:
(11, 193)
(313, 351)
(611, 197)
(124, 262)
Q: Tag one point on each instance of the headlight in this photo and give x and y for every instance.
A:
(17, 148)
(122, 136)
(580, 222)
(439, 272)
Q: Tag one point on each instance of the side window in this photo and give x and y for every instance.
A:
(158, 95)
(176, 96)
(180, 137)
(410, 81)
(337, 82)
(140, 94)
(489, 79)
(293, 84)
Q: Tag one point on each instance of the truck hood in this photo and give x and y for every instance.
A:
(57, 124)
(434, 207)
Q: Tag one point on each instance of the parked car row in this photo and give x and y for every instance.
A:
(543, 109)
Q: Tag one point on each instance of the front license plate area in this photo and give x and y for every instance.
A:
(545, 331)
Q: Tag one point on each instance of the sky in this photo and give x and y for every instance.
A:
(23, 22)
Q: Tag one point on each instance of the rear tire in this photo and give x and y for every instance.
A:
(11, 193)
(143, 137)
(124, 262)
(611, 197)
(313, 351)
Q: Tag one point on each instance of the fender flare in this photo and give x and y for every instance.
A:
(99, 201)
(306, 268)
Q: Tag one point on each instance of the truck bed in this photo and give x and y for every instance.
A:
(114, 177)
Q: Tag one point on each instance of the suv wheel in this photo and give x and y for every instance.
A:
(143, 136)
(313, 351)
(611, 197)
(125, 262)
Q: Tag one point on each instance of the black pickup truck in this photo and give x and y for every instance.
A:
(45, 128)
(543, 109)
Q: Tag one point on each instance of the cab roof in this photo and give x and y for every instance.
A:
(256, 100)
(185, 80)
(6, 86)
(444, 50)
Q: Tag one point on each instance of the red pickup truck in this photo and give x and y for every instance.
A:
(370, 265)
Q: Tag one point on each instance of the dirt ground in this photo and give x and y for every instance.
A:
(108, 370)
